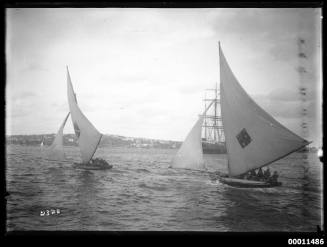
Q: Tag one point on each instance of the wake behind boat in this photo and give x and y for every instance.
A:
(254, 139)
(88, 137)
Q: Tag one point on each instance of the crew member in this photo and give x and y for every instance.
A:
(260, 174)
(253, 175)
(274, 177)
(267, 174)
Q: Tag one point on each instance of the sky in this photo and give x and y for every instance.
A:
(143, 72)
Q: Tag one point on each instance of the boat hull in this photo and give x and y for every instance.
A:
(103, 166)
(243, 183)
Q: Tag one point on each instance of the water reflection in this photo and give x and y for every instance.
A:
(268, 209)
(86, 192)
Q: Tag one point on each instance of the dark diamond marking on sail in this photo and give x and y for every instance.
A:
(77, 131)
(244, 138)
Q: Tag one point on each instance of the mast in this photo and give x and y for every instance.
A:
(97, 146)
(220, 128)
(215, 119)
(205, 118)
(213, 127)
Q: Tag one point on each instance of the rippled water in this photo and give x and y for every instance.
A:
(142, 193)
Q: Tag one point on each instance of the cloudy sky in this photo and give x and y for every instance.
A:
(143, 72)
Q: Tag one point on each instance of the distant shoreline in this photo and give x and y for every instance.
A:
(106, 141)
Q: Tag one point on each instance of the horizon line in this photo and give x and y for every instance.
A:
(102, 134)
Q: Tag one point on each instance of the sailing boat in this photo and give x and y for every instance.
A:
(88, 136)
(190, 154)
(56, 150)
(42, 142)
(254, 139)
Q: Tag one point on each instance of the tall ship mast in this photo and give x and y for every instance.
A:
(213, 138)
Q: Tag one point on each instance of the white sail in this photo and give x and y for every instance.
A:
(190, 154)
(56, 150)
(253, 137)
(88, 136)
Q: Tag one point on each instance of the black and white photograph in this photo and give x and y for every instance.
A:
(163, 119)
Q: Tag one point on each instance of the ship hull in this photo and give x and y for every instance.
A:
(243, 183)
(213, 148)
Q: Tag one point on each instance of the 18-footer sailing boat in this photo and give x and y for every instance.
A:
(254, 139)
(88, 136)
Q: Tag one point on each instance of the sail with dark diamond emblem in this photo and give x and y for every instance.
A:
(253, 137)
(88, 136)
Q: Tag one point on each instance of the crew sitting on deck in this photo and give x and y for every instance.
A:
(246, 176)
(99, 161)
(274, 177)
(266, 174)
(95, 161)
(260, 174)
(252, 175)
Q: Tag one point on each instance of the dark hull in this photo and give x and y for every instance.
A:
(243, 183)
(102, 166)
(213, 148)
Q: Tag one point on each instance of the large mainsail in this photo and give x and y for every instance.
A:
(253, 137)
(190, 154)
(56, 150)
(88, 136)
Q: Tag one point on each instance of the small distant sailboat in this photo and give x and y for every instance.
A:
(254, 139)
(190, 154)
(42, 142)
(56, 150)
(88, 136)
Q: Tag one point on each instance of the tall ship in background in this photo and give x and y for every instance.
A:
(213, 138)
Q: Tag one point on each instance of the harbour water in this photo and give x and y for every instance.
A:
(141, 193)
